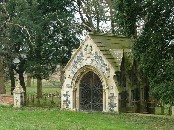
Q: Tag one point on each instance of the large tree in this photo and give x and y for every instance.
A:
(2, 67)
(154, 46)
(5, 47)
(154, 49)
(14, 44)
(41, 35)
(53, 37)
(2, 77)
(129, 16)
(95, 15)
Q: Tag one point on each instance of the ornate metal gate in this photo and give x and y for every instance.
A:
(91, 92)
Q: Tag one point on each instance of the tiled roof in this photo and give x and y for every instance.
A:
(112, 47)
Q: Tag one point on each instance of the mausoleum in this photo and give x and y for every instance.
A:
(102, 76)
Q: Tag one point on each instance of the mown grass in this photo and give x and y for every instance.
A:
(30, 118)
(47, 90)
(51, 118)
(47, 87)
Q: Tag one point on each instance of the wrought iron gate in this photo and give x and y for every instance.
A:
(91, 92)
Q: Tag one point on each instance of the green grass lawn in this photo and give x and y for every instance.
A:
(30, 118)
(46, 87)
(51, 118)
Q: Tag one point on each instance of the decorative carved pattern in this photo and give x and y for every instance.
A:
(111, 87)
(88, 50)
(76, 62)
(66, 101)
(96, 61)
(68, 85)
(111, 103)
(129, 55)
(118, 56)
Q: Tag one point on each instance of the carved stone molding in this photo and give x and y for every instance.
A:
(94, 59)
(68, 85)
(88, 50)
(76, 63)
(67, 100)
(111, 103)
(118, 55)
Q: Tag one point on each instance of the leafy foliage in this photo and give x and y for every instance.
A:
(128, 16)
(94, 15)
(154, 46)
(53, 36)
(154, 49)
(41, 33)
(36, 36)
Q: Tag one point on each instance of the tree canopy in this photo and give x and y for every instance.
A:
(40, 33)
(37, 34)
(154, 47)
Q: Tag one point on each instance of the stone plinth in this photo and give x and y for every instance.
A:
(18, 94)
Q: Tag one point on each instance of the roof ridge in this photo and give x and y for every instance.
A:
(106, 34)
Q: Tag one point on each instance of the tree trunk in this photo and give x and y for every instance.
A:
(12, 79)
(28, 80)
(135, 31)
(61, 75)
(162, 110)
(39, 88)
(2, 85)
(2, 80)
(33, 81)
(98, 22)
(109, 2)
(22, 83)
(170, 110)
(97, 8)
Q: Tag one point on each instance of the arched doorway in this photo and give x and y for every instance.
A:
(91, 92)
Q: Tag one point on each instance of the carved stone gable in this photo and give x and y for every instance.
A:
(88, 50)
(89, 55)
(89, 75)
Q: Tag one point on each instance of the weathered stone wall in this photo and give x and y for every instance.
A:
(89, 58)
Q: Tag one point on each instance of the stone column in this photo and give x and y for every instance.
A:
(18, 95)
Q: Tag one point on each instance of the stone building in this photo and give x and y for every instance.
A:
(102, 76)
